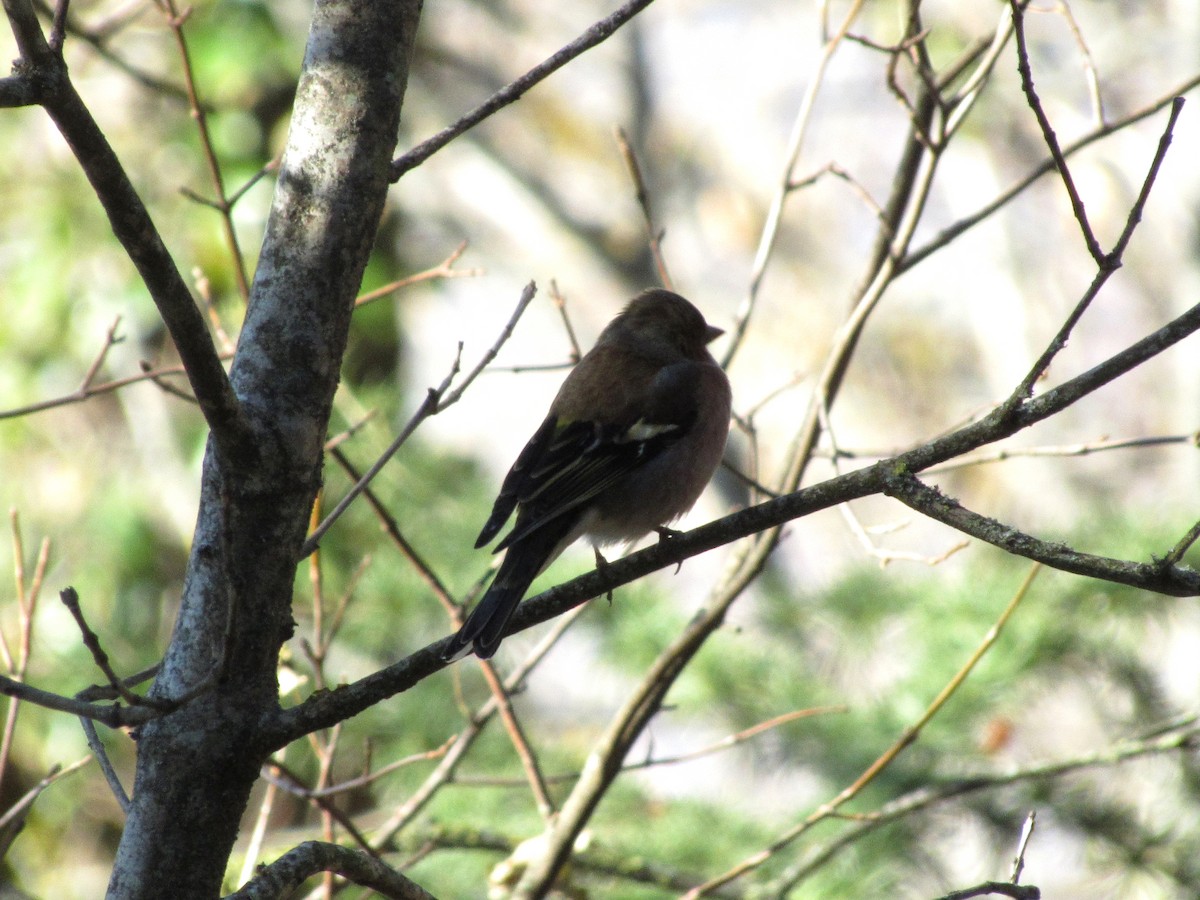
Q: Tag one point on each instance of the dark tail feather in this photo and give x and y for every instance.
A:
(485, 626)
(483, 629)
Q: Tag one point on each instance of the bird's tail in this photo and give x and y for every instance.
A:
(523, 562)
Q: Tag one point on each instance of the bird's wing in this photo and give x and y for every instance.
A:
(574, 461)
(517, 479)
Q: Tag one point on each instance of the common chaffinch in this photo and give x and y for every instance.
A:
(632, 438)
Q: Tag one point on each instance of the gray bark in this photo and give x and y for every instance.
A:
(196, 766)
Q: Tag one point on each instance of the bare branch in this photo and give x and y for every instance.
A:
(905, 740)
(353, 784)
(1023, 845)
(106, 766)
(444, 269)
(94, 390)
(436, 400)
(347, 700)
(989, 888)
(931, 502)
(948, 234)
(115, 716)
(27, 598)
(222, 203)
(70, 599)
(428, 407)
(770, 231)
(512, 725)
(510, 93)
(1182, 546)
(17, 811)
(133, 227)
(1108, 263)
(1182, 737)
(449, 764)
(1060, 161)
(653, 235)
(280, 878)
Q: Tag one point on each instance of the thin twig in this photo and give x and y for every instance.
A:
(447, 768)
(1176, 553)
(654, 762)
(1087, 448)
(101, 754)
(108, 692)
(436, 400)
(1184, 737)
(70, 599)
(392, 529)
(175, 21)
(115, 716)
(107, 387)
(204, 290)
(1106, 263)
(1048, 135)
(361, 781)
(948, 234)
(963, 100)
(99, 35)
(341, 437)
(1022, 846)
(1089, 63)
(653, 235)
(770, 231)
(516, 733)
(18, 809)
(510, 93)
(269, 169)
(529, 760)
(560, 304)
(259, 832)
(27, 598)
(527, 294)
(291, 782)
(427, 408)
(444, 269)
(908, 737)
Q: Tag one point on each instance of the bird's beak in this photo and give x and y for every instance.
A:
(712, 332)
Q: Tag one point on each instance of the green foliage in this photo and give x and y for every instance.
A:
(112, 483)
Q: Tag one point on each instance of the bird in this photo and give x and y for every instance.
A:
(629, 443)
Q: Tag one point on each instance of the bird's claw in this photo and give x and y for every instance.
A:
(602, 566)
(669, 534)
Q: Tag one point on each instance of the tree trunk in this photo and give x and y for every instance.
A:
(196, 766)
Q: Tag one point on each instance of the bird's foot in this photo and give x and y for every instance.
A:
(666, 534)
(602, 566)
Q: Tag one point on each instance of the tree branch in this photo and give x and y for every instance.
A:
(1060, 161)
(1183, 737)
(115, 716)
(510, 93)
(1003, 888)
(931, 502)
(291, 870)
(323, 710)
(133, 227)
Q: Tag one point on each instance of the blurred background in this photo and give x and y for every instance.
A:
(871, 612)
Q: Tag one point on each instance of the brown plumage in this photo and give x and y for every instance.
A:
(632, 438)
